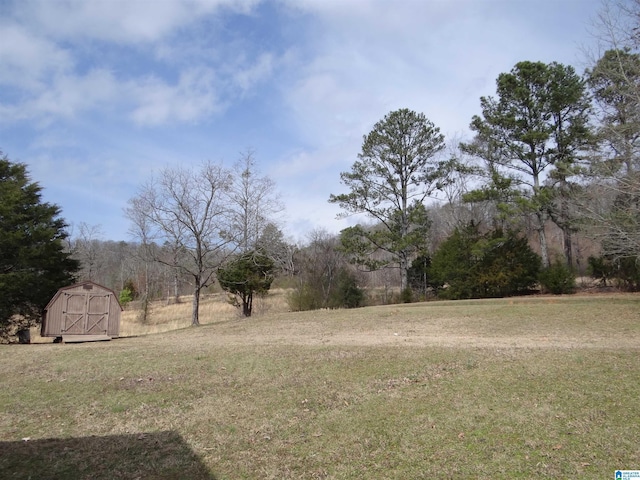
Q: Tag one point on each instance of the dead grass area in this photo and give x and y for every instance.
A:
(597, 321)
(534, 387)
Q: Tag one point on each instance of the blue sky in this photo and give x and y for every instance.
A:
(96, 95)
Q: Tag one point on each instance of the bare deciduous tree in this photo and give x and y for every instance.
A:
(253, 202)
(187, 208)
(281, 251)
(610, 207)
(86, 248)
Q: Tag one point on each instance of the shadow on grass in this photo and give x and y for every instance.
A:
(158, 456)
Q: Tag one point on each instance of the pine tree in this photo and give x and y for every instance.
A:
(33, 260)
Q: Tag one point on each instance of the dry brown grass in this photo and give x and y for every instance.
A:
(162, 317)
(214, 308)
(166, 317)
(585, 321)
(535, 387)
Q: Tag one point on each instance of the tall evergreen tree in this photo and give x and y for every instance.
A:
(535, 130)
(33, 260)
(395, 172)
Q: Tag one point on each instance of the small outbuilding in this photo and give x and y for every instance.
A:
(82, 312)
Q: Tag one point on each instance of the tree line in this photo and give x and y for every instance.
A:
(551, 149)
(550, 175)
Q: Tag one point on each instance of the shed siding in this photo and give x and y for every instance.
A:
(82, 309)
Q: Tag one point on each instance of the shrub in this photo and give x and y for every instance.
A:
(601, 269)
(406, 295)
(628, 273)
(302, 298)
(475, 265)
(126, 296)
(128, 292)
(558, 279)
(625, 271)
(342, 292)
(131, 286)
(348, 294)
(419, 276)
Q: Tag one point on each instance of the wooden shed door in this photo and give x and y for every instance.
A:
(86, 313)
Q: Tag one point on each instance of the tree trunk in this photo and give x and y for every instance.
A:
(568, 249)
(404, 272)
(195, 320)
(542, 236)
(176, 292)
(247, 305)
(565, 224)
(146, 279)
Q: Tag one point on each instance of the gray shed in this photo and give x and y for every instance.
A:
(85, 309)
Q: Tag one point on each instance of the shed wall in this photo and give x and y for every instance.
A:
(83, 309)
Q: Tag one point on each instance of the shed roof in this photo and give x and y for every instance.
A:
(81, 284)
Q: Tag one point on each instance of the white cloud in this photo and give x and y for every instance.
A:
(306, 179)
(193, 97)
(127, 21)
(437, 57)
(66, 96)
(300, 81)
(247, 77)
(55, 138)
(148, 101)
(28, 59)
(71, 94)
(60, 72)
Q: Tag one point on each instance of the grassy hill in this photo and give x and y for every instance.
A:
(536, 387)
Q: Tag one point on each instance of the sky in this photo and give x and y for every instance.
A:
(98, 95)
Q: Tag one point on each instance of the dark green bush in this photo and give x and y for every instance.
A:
(558, 279)
(406, 295)
(347, 294)
(341, 292)
(628, 273)
(247, 275)
(128, 292)
(470, 264)
(126, 296)
(419, 277)
(624, 271)
(601, 269)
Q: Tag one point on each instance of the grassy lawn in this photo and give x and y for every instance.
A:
(536, 387)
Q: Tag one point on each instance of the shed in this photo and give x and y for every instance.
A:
(85, 309)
